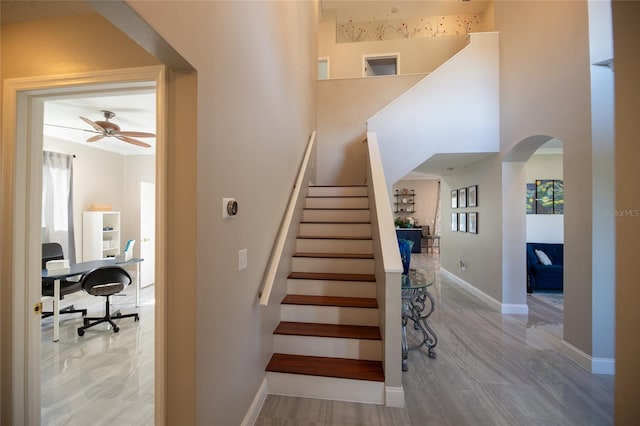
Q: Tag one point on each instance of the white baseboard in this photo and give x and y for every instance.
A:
(603, 366)
(256, 406)
(394, 396)
(505, 308)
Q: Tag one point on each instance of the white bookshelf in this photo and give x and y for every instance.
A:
(100, 235)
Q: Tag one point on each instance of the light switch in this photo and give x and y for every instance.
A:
(242, 259)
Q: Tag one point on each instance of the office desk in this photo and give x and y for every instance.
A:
(80, 269)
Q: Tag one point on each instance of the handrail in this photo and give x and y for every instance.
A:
(281, 238)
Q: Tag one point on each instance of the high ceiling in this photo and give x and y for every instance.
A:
(370, 10)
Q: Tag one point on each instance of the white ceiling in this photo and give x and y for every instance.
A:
(135, 110)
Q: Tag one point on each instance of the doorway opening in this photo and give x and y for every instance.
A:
(23, 128)
(376, 65)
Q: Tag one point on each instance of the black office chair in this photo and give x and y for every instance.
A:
(105, 281)
(53, 251)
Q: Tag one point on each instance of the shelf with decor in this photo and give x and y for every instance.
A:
(405, 201)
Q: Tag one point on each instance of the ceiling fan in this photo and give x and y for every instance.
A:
(107, 129)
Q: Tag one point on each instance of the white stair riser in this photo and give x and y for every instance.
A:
(336, 389)
(328, 245)
(328, 346)
(337, 215)
(335, 229)
(337, 203)
(332, 288)
(336, 191)
(336, 266)
(329, 314)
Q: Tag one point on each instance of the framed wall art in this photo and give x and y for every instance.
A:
(454, 221)
(462, 198)
(472, 196)
(454, 199)
(473, 222)
(462, 222)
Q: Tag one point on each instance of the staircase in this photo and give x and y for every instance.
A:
(328, 344)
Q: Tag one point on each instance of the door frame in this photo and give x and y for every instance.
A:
(23, 100)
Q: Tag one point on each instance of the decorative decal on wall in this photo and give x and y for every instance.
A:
(421, 27)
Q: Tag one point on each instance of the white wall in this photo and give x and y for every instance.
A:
(544, 228)
(103, 177)
(98, 178)
(454, 109)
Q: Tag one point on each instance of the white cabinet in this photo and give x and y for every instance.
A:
(100, 235)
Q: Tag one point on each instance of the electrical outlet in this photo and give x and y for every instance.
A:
(242, 259)
(463, 265)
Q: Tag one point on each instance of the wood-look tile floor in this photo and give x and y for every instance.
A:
(101, 378)
(491, 369)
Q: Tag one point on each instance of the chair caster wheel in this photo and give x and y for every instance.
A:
(432, 355)
(80, 332)
(136, 318)
(116, 329)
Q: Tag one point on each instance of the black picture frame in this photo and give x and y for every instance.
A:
(473, 222)
(454, 222)
(454, 199)
(462, 198)
(472, 196)
(462, 222)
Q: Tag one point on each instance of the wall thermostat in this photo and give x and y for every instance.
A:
(229, 207)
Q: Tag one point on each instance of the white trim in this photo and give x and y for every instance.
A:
(503, 308)
(586, 361)
(576, 355)
(493, 303)
(394, 396)
(256, 406)
(603, 366)
(515, 309)
(22, 99)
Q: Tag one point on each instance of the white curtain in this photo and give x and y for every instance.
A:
(57, 202)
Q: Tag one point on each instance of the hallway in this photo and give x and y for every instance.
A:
(491, 369)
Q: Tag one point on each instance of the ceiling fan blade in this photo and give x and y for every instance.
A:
(135, 134)
(133, 141)
(71, 128)
(95, 138)
(93, 124)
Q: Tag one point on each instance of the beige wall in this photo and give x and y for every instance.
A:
(481, 252)
(343, 109)
(418, 55)
(626, 35)
(425, 201)
(256, 65)
(537, 99)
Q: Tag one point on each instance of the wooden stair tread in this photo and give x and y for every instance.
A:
(337, 222)
(332, 237)
(343, 302)
(337, 196)
(328, 330)
(357, 185)
(330, 276)
(336, 208)
(336, 255)
(344, 368)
